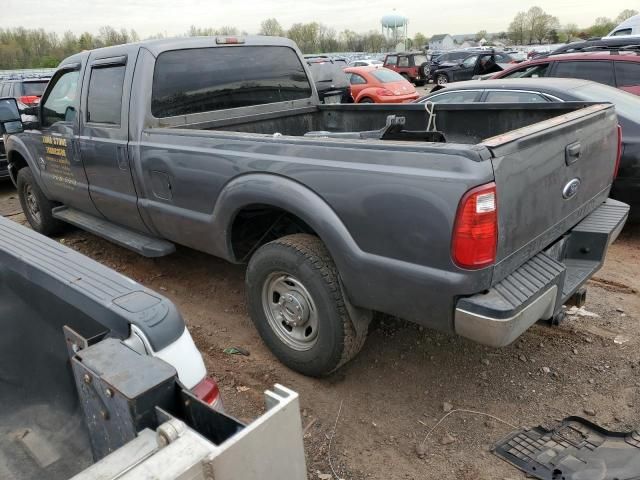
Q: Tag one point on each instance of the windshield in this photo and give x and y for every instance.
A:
(627, 105)
(387, 76)
(34, 88)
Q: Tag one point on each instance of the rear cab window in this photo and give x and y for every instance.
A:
(218, 78)
(597, 71)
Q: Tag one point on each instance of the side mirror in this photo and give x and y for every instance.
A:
(10, 120)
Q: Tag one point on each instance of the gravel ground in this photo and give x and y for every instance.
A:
(406, 376)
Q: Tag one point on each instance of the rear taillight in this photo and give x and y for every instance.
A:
(475, 232)
(29, 99)
(207, 391)
(619, 153)
(383, 92)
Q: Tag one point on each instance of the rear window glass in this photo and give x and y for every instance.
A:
(218, 78)
(600, 72)
(387, 76)
(34, 88)
(627, 74)
(328, 75)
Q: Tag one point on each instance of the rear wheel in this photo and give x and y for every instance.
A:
(297, 305)
(442, 79)
(366, 100)
(35, 205)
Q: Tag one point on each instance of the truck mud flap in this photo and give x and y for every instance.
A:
(574, 449)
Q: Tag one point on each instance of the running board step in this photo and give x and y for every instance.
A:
(138, 242)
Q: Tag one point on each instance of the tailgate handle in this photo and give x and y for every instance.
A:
(572, 153)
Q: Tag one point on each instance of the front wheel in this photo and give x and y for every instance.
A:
(296, 302)
(35, 205)
(442, 79)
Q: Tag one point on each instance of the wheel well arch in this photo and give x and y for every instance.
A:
(256, 224)
(16, 163)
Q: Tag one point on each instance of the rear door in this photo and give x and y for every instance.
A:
(104, 136)
(549, 176)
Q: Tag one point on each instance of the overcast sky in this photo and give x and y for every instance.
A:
(149, 17)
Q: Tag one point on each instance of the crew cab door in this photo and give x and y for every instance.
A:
(104, 136)
(53, 142)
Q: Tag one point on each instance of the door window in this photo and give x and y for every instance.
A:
(627, 74)
(104, 103)
(470, 61)
(532, 71)
(509, 96)
(393, 60)
(61, 103)
(403, 62)
(621, 33)
(458, 96)
(601, 72)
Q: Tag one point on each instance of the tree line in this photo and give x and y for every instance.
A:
(537, 26)
(36, 48)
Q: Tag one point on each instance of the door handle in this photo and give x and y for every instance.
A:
(572, 153)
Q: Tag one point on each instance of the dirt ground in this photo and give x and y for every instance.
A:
(395, 390)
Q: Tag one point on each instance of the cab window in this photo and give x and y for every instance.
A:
(621, 33)
(61, 103)
(470, 61)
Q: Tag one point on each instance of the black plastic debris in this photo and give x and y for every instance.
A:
(575, 449)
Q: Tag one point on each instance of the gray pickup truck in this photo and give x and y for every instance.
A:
(475, 219)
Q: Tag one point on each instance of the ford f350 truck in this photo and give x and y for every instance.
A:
(475, 219)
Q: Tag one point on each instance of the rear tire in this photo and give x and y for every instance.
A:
(297, 304)
(442, 79)
(35, 205)
(366, 100)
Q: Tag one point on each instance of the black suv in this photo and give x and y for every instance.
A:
(447, 60)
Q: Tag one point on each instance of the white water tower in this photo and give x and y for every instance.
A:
(394, 28)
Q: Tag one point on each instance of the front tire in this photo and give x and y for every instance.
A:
(35, 205)
(296, 302)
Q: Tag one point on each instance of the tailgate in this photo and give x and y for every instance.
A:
(549, 176)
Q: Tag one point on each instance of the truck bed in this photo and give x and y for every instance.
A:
(465, 124)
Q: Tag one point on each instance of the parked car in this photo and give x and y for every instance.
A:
(331, 82)
(630, 27)
(447, 60)
(379, 85)
(222, 145)
(28, 92)
(475, 64)
(527, 90)
(411, 65)
(598, 44)
(615, 68)
(366, 62)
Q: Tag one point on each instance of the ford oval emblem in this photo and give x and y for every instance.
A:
(571, 188)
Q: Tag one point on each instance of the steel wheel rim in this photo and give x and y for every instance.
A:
(32, 203)
(290, 311)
